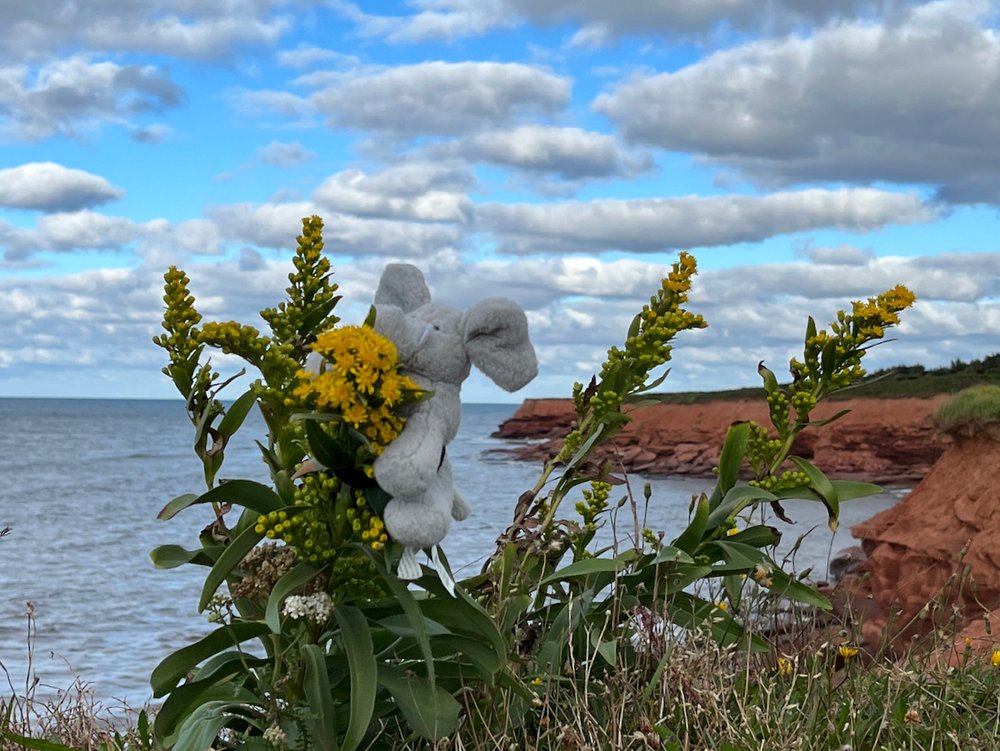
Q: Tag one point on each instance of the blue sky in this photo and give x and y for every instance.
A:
(559, 153)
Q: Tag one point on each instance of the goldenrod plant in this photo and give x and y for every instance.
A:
(320, 645)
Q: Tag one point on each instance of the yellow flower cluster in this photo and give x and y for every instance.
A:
(834, 359)
(360, 381)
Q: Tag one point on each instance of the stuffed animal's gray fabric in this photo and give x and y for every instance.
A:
(437, 345)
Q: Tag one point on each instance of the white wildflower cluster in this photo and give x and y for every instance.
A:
(275, 736)
(315, 607)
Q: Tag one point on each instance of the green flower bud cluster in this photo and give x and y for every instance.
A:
(803, 402)
(310, 291)
(594, 502)
(648, 343)
(180, 321)
(327, 516)
(570, 444)
(235, 339)
(784, 481)
(354, 577)
(762, 448)
(777, 404)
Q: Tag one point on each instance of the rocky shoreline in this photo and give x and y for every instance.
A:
(879, 440)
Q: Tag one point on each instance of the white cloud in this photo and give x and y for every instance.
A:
(651, 225)
(909, 100)
(601, 21)
(282, 154)
(434, 20)
(424, 191)
(306, 55)
(569, 153)
(273, 225)
(47, 186)
(440, 98)
(73, 95)
(175, 27)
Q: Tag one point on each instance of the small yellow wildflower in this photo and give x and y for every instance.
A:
(784, 666)
(847, 651)
(732, 531)
(995, 658)
(722, 605)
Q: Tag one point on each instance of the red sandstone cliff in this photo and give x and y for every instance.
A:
(915, 554)
(881, 440)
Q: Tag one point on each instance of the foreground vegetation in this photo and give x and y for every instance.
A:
(698, 641)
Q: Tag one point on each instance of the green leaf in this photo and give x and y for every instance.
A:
(581, 453)
(669, 554)
(849, 490)
(692, 536)
(287, 584)
(200, 729)
(770, 381)
(316, 685)
(177, 504)
(733, 450)
(406, 601)
(377, 499)
(735, 500)
(325, 449)
(430, 711)
(235, 552)
(236, 414)
(245, 493)
(757, 536)
(652, 385)
(633, 329)
(585, 567)
(822, 485)
(400, 625)
(185, 698)
(608, 650)
(34, 743)
(172, 556)
(171, 669)
(487, 661)
(357, 642)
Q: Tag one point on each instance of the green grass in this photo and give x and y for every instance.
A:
(972, 407)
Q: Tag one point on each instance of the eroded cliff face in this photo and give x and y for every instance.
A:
(933, 559)
(882, 440)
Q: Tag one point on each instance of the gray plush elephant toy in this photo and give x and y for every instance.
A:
(437, 345)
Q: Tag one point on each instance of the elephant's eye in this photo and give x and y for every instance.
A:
(436, 327)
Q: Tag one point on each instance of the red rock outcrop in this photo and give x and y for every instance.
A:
(933, 560)
(882, 440)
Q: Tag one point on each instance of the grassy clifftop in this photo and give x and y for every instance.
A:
(891, 383)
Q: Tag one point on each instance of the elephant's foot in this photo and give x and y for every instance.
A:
(416, 523)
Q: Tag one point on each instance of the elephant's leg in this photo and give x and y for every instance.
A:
(418, 521)
(460, 509)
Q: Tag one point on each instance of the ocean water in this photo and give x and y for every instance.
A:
(81, 482)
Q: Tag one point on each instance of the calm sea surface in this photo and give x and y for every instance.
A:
(81, 483)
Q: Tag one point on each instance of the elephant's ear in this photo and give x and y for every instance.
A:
(402, 285)
(496, 339)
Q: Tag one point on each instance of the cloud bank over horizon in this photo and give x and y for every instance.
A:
(557, 153)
